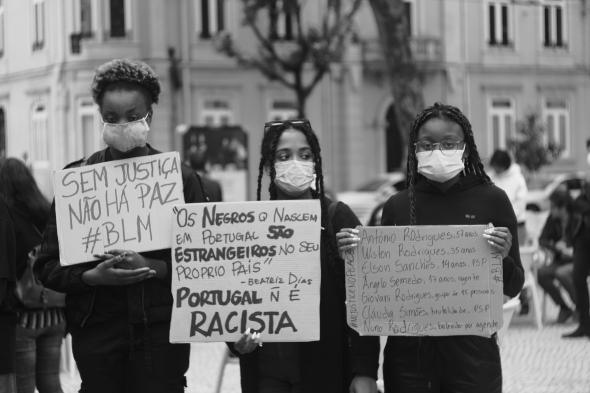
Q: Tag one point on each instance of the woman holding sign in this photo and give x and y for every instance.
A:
(291, 157)
(447, 185)
(118, 308)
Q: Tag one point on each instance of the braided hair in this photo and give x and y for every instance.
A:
(270, 141)
(473, 164)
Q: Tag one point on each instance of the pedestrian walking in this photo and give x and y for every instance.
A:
(447, 185)
(118, 309)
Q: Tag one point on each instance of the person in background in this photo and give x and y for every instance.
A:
(118, 309)
(291, 156)
(7, 300)
(581, 243)
(39, 332)
(508, 176)
(447, 185)
(556, 239)
(197, 161)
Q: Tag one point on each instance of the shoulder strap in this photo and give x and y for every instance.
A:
(203, 192)
(332, 211)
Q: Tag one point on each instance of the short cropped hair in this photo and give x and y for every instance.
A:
(501, 158)
(125, 71)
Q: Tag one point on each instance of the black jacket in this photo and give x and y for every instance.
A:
(326, 365)
(7, 258)
(470, 201)
(148, 301)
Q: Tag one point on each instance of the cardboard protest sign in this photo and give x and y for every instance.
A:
(246, 265)
(123, 204)
(424, 280)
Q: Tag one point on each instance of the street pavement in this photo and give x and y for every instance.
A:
(533, 361)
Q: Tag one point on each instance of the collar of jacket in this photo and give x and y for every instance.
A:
(465, 182)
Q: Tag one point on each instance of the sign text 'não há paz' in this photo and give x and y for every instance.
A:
(248, 265)
(424, 280)
(123, 204)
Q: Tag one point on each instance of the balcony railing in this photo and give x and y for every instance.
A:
(425, 51)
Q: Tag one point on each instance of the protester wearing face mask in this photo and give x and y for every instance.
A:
(118, 309)
(447, 185)
(291, 158)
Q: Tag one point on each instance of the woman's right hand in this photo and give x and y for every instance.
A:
(106, 273)
(248, 342)
(347, 239)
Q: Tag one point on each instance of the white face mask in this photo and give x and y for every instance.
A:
(293, 176)
(439, 167)
(126, 136)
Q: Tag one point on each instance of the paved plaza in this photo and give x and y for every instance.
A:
(534, 361)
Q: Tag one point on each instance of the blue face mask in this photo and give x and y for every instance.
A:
(126, 136)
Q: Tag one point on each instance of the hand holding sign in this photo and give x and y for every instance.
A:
(347, 239)
(107, 273)
(499, 238)
(248, 342)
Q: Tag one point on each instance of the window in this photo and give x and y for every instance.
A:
(89, 137)
(38, 24)
(554, 23)
(2, 134)
(408, 12)
(499, 23)
(83, 18)
(216, 113)
(1, 28)
(501, 123)
(117, 18)
(39, 142)
(556, 117)
(210, 17)
(282, 110)
(281, 17)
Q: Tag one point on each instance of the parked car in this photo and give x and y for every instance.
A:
(541, 187)
(365, 198)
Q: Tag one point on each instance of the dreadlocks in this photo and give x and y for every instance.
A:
(270, 141)
(473, 164)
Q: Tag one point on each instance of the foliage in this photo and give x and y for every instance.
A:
(530, 147)
(405, 79)
(298, 63)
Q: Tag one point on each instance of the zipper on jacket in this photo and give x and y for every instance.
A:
(90, 309)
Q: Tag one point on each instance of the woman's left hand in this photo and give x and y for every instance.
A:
(500, 239)
(129, 259)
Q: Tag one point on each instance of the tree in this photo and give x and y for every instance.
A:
(405, 80)
(300, 62)
(529, 147)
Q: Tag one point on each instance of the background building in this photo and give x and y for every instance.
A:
(498, 60)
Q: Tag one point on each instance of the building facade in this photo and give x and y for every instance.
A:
(498, 60)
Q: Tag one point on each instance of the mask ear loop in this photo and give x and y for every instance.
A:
(465, 161)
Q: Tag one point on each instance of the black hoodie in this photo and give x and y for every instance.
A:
(470, 201)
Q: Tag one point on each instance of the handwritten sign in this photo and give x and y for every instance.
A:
(124, 204)
(424, 280)
(246, 265)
